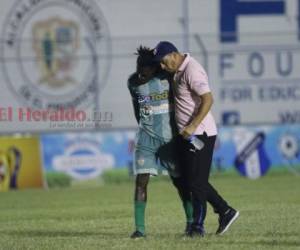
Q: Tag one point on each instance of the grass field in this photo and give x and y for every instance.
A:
(100, 217)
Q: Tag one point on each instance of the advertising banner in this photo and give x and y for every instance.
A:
(20, 163)
(253, 151)
(86, 155)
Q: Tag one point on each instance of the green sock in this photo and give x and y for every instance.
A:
(139, 215)
(188, 209)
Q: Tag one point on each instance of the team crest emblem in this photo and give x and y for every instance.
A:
(252, 160)
(57, 42)
(141, 161)
(57, 50)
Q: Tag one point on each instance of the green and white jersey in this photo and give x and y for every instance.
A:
(153, 107)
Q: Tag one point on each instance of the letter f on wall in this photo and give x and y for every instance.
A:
(231, 9)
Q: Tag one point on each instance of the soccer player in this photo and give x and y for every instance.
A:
(154, 147)
(193, 101)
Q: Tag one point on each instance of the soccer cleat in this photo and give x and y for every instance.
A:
(137, 235)
(226, 220)
(188, 228)
(196, 231)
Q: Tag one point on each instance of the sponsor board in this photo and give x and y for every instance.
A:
(86, 155)
(251, 150)
(254, 150)
(20, 163)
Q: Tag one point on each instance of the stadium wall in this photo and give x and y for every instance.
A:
(250, 50)
(76, 55)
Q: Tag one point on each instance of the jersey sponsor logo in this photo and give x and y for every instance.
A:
(161, 109)
(154, 97)
(146, 111)
(52, 50)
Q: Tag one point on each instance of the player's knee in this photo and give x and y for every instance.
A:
(199, 188)
(182, 188)
(142, 181)
(141, 193)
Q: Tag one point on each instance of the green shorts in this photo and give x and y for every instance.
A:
(154, 156)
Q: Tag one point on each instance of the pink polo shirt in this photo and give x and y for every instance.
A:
(191, 81)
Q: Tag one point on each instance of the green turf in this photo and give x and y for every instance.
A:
(100, 217)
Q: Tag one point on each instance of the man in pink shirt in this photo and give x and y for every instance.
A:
(198, 131)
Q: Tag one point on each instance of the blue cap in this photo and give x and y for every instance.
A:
(162, 49)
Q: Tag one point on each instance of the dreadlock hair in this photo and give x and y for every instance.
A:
(145, 57)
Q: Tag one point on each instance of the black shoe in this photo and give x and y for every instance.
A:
(196, 232)
(226, 220)
(137, 235)
(188, 228)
